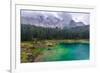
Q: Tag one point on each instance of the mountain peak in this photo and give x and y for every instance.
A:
(53, 20)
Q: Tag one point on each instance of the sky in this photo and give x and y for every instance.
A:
(83, 17)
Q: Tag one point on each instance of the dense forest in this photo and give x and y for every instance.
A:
(32, 32)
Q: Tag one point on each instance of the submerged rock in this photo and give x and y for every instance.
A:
(49, 48)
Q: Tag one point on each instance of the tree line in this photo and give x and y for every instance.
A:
(31, 32)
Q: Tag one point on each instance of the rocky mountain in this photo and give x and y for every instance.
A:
(75, 24)
(53, 20)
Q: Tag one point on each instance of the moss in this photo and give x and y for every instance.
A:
(23, 56)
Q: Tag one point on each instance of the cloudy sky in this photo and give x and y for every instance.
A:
(77, 17)
(83, 17)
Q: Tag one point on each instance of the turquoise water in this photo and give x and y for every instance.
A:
(66, 52)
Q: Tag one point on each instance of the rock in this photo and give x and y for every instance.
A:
(49, 44)
(49, 48)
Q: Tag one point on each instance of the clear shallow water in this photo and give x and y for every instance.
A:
(66, 52)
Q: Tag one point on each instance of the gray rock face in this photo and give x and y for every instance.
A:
(75, 24)
(49, 19)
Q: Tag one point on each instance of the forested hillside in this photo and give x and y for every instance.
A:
(32, 32)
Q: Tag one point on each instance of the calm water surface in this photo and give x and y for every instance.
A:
(66, 52)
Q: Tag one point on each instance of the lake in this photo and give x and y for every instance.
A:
(65, 52)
